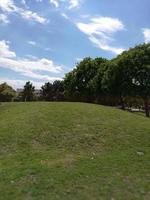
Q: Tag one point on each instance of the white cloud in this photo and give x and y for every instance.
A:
(31, 68)
(100, 31)
(33, 43)
(23, 2)
(4, 19)
(17, 83)
(103, 45)
(146, 33)
(74, 3)
(29, 15)
(79, 59)
(64, 15)
(49, 49)
(55, 3)
(70, 4)
(5, 51)
(8, 6)
(31, 57)
(27, 67)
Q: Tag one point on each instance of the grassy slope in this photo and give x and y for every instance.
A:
(72, 151)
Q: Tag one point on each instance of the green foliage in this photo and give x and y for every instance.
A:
(138, 59)
(78, 83)
(55, 91)
(7, 93)
(46, 91)
(137, 63)
(58, 90)
(117, 81)
(111, 82)
(28, 92)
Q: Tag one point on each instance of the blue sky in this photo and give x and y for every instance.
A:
(41, 40)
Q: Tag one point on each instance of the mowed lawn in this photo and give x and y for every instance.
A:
(73, 151)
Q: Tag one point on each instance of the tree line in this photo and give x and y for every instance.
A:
(123, 81)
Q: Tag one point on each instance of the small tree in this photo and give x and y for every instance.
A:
(7, 93)
(28, 92)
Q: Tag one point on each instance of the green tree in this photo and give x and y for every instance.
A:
(96, 82)
(71, 91)
(58, 90)
(138, 60)
(7, 93)
(78, 82)
(28, 92)
(117, 81)
(47, 91)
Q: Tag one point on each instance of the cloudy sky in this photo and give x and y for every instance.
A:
(41, 40)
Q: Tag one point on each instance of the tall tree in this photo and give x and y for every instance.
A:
(117, 81)
(96, 82)
(70, 87)
(138, 60)
(47, 91)
(58, 90)
(28, 92)
(78, 82)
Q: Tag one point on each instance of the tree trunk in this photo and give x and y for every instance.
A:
(122, 103)
(146, 105)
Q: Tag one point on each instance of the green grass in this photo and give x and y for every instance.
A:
(73, 151)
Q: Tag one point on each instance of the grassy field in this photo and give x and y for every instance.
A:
(73, 151)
